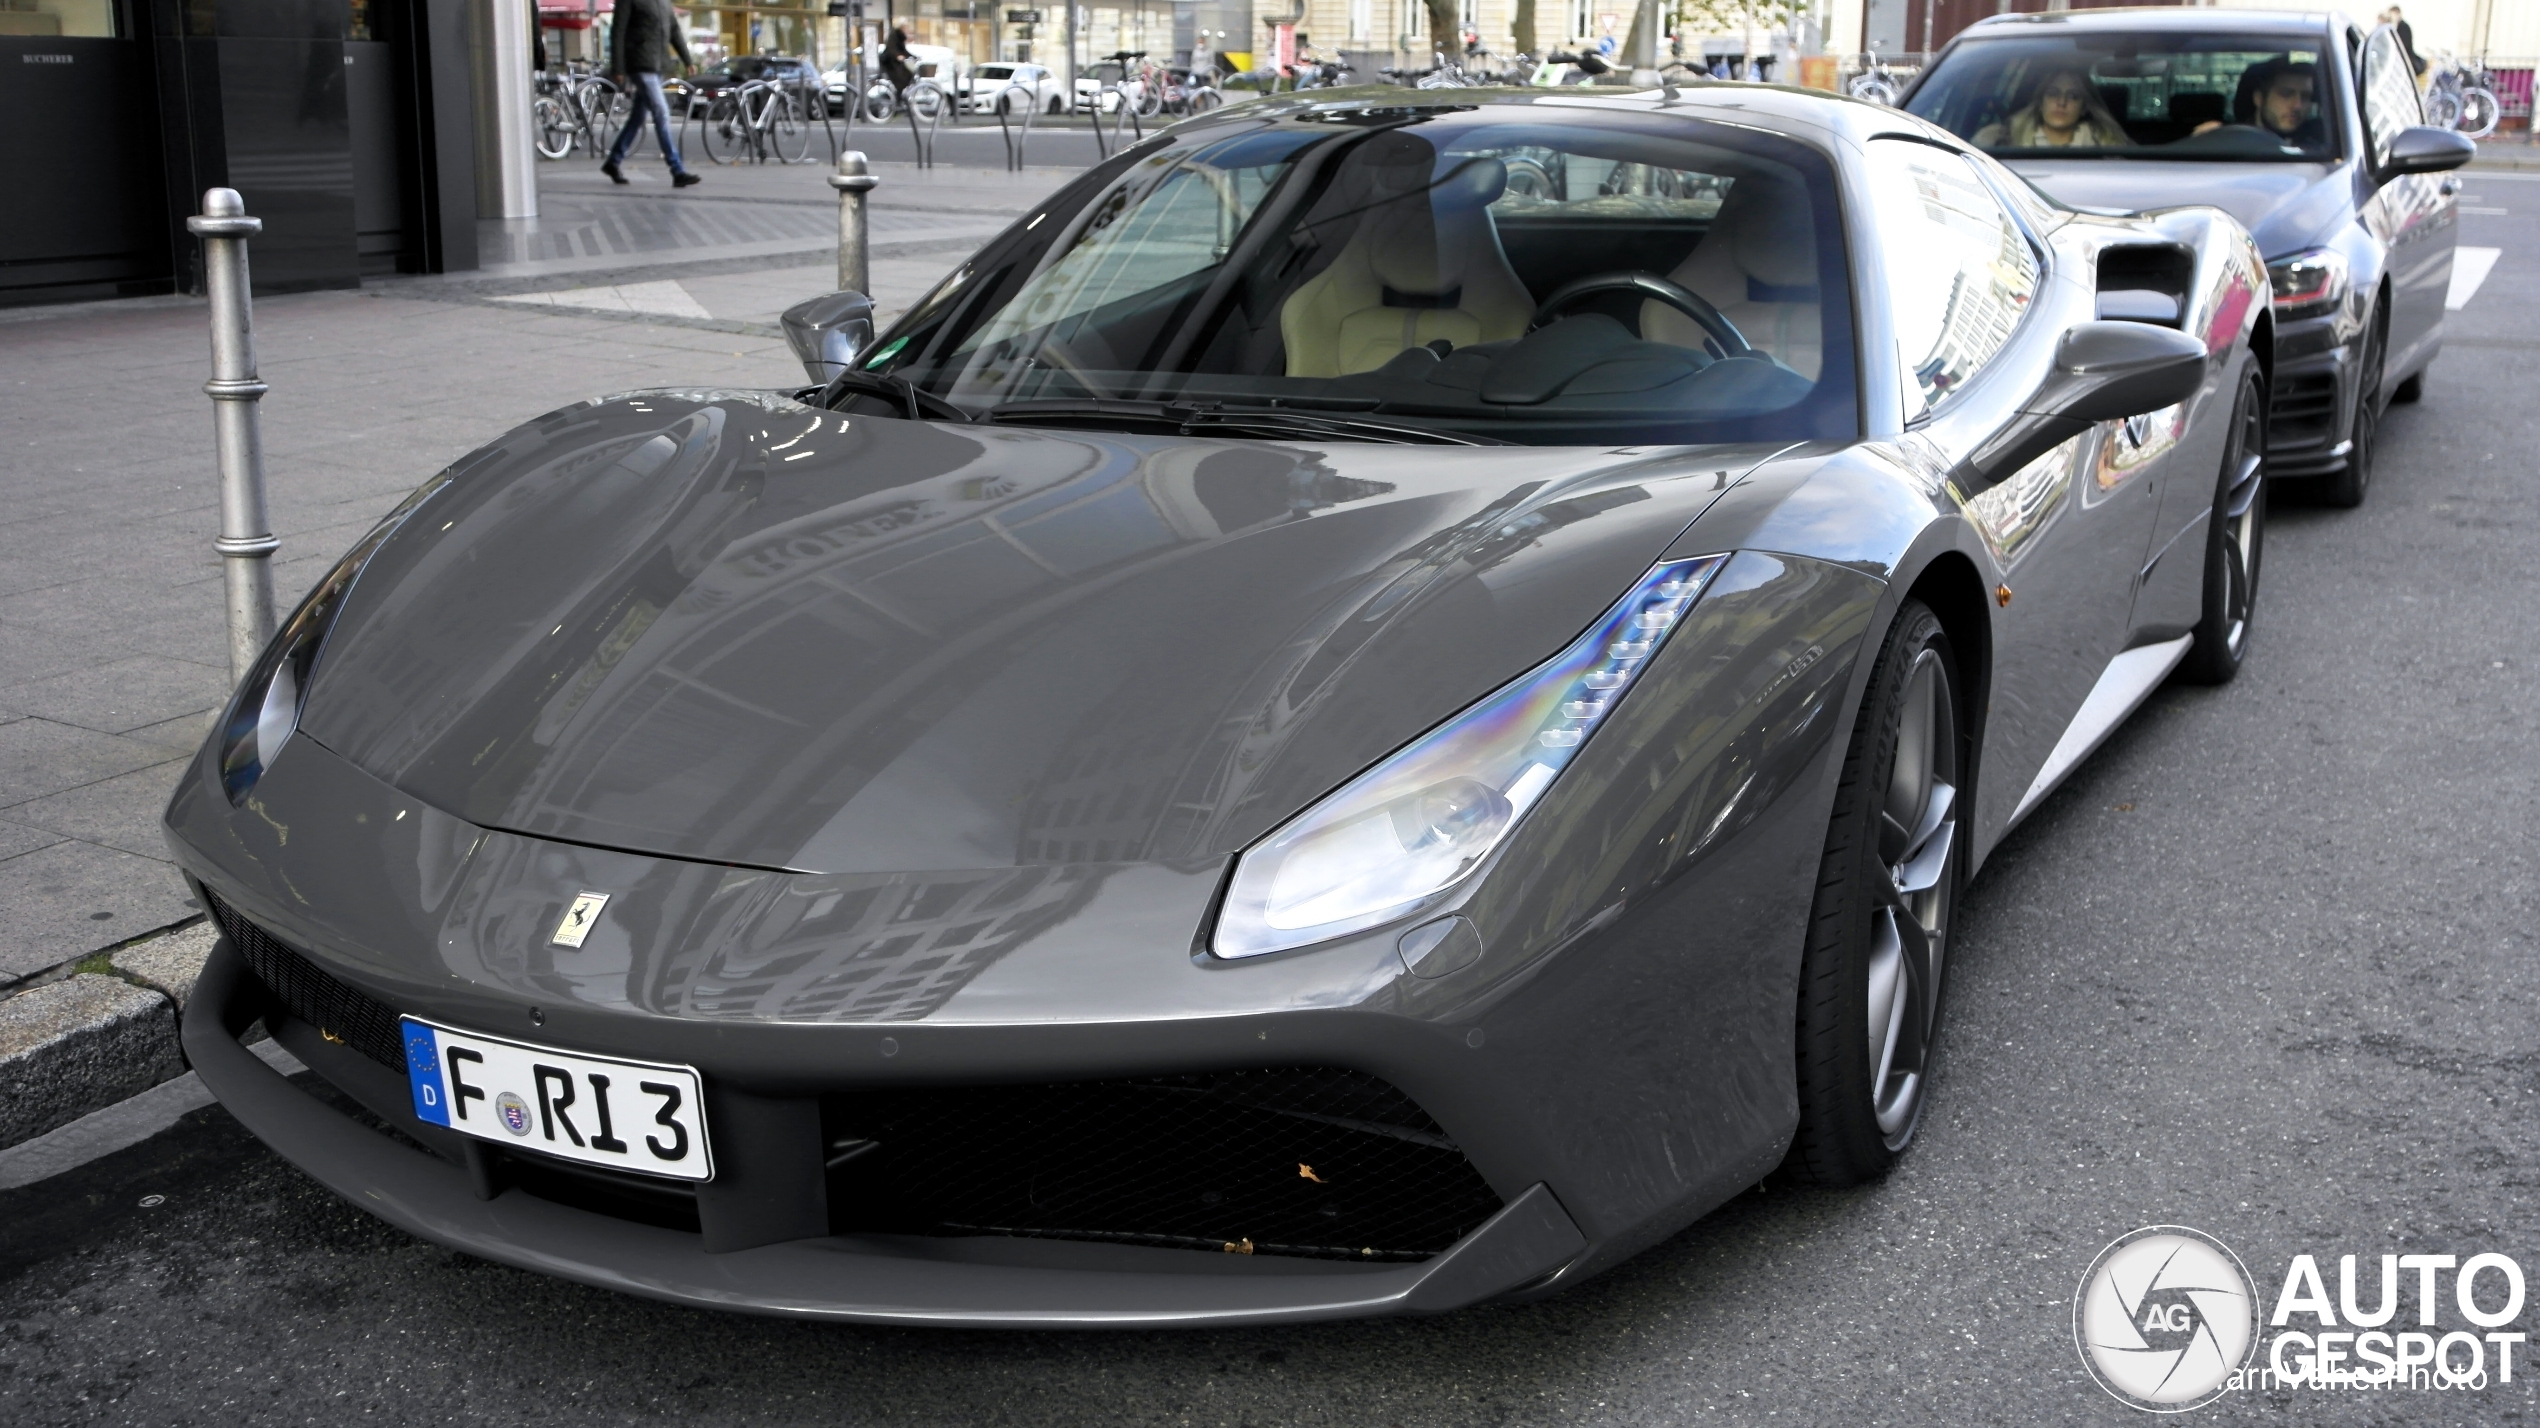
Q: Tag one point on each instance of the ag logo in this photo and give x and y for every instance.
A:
(2163, 1318)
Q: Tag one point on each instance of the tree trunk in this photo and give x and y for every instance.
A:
(1446, 32)
(1640, 47)
(1522, 26)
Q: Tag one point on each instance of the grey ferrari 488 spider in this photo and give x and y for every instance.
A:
(1375, 708)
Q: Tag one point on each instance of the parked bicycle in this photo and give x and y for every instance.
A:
(761, 119)
(1875, 83)
(572, 108)
(2463, 97)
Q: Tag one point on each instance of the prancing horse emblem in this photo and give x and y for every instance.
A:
(578, 919)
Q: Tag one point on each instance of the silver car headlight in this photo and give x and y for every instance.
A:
(265, 711)
(2308, 283)
(1401, 835)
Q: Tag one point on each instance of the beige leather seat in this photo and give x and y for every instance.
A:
(1758, 266)
(1424, 263)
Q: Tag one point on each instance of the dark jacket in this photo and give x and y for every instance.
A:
(643, 38)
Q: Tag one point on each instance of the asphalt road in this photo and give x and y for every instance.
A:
(2266, 967)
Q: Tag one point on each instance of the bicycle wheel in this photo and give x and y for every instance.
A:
(2442, 109)
(723, 136)
(880, 103)
(788, 132)
(551, 127)
(2479, 113)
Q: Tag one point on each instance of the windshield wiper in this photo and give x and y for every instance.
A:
(916, 403)
(1195, 419)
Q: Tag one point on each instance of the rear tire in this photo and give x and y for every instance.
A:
(1887, 893)
(2235, 543)
(2347, 488)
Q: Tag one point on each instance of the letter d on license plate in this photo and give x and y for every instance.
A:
(627, 1115)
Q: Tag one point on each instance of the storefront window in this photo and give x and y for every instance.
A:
(62, 19)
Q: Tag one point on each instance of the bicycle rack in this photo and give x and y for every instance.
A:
(1127, 118)
(924, 138)
(1015, 144)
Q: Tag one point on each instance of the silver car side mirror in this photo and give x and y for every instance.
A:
(2108, 371)
(2424, 149)
(2104, 371)
(829, 332)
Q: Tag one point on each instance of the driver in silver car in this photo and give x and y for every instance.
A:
(2280, 96)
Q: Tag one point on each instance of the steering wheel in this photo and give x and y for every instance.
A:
(1726, 340)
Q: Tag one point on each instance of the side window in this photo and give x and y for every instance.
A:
(2390, 93)
(1960, 274)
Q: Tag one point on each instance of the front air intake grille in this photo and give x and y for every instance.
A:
(310, 994)
(1310, 1161)
(2303, 411)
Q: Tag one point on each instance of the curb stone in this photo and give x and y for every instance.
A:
(86, 1041)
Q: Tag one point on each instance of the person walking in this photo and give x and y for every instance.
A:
(641, 41)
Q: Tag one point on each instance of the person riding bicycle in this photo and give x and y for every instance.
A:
(895, 61)
(646, 32)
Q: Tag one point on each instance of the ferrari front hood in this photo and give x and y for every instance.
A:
(727, 627)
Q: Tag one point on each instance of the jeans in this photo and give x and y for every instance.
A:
(653, 104)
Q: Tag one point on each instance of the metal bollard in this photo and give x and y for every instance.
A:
(246, 540)
(853, 181)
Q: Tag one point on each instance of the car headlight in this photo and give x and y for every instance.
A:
(1406, 831)
(265, 710)
(2309, 283)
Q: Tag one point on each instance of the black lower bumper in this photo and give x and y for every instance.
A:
(906, 1279)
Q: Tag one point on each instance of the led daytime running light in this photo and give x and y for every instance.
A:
(2307, 283)
(1407, 830)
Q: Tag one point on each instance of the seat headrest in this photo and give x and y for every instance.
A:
(1770, 231)
(1424, 241)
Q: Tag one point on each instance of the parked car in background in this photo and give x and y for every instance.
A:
(1106, 84)
(990, 86)
(2305, 127)
(708, 82)
(947, 67)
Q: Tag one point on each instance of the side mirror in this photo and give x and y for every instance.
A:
(2104, 371)
(829, 332)
(2424, 149)
(2108, 371)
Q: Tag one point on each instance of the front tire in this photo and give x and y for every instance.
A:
(2347, 488)
(1878, 936)
(2235, 543)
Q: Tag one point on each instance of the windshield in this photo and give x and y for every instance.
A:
(2136, 96)
(1398, 266)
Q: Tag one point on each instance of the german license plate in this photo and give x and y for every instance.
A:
(626, 1115)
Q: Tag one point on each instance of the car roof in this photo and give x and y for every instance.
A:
(2173, 18)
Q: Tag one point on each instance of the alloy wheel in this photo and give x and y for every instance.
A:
(1918, 830)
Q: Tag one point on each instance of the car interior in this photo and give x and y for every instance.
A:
(1416, 273)
(2162, 97)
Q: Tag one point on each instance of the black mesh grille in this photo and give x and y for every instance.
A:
(2303, 410)
(1310, 1161)
(310, 994)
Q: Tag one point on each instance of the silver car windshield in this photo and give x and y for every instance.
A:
(1501, 272)
(2208, 97)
